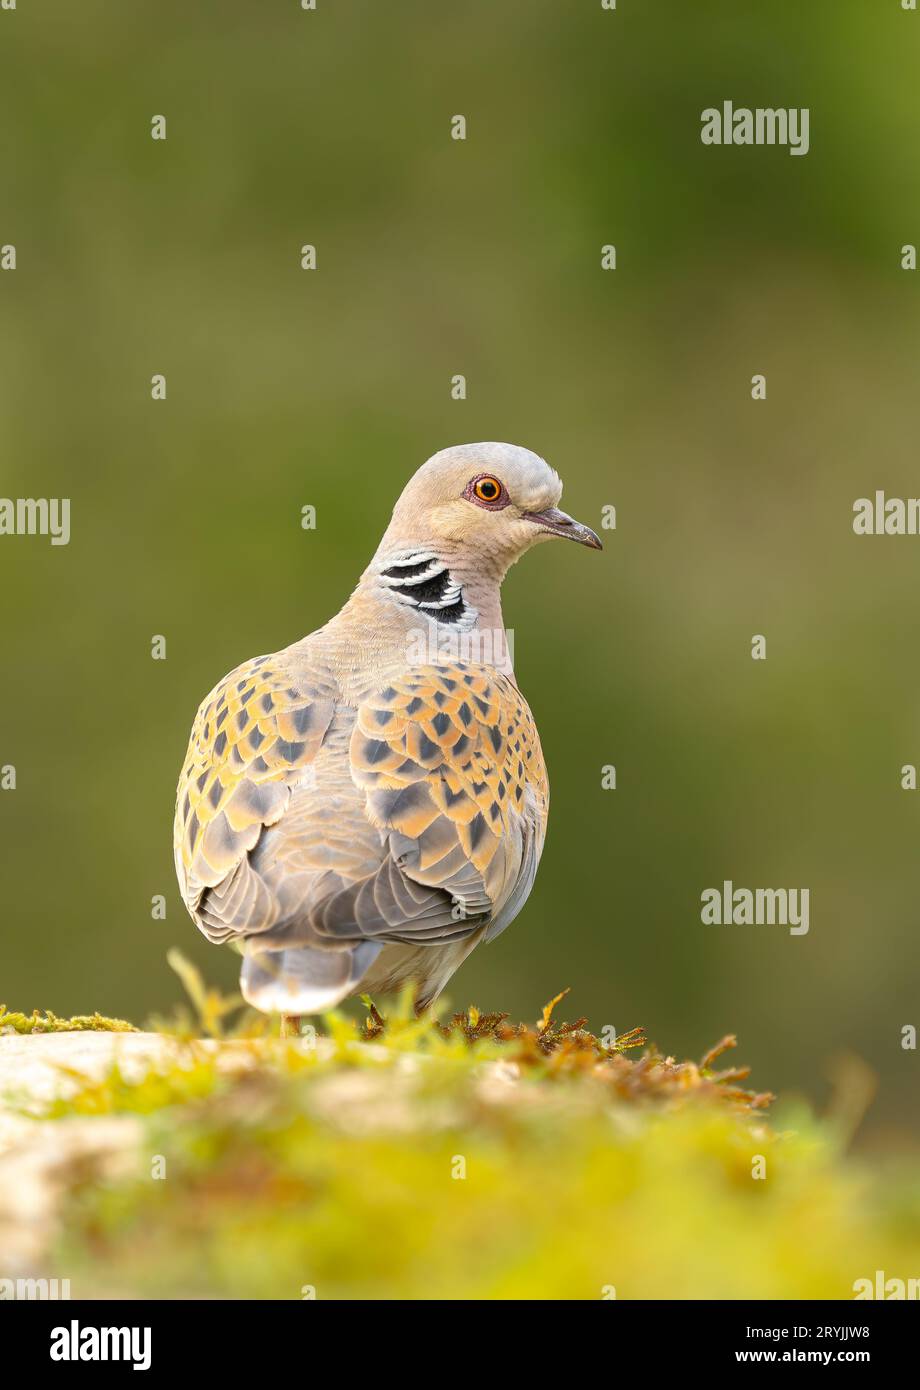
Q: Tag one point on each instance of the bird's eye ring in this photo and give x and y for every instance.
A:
(487, 490)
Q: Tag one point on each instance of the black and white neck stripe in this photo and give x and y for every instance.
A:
(424, 582)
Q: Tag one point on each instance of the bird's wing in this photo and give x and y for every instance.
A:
(450, 761)
(423, 820)
(253, 739)
(424, 827)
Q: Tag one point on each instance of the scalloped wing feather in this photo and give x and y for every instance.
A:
(451, 763)
(254, 737)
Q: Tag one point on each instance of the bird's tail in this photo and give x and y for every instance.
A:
(301, 980)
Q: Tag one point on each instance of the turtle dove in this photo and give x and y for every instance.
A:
(361, 809)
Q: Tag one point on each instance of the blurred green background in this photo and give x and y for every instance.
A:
(330, 387)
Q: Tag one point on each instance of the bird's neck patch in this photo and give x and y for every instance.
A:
(422, 581)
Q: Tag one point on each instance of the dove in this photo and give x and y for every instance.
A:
(359, 811)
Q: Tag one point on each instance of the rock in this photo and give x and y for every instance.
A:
(37, 1156)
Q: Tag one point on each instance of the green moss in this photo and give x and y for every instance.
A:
(472, 1158)
(39, 1021)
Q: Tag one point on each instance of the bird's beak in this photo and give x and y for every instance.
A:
(559, 523)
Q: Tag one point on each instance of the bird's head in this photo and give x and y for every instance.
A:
(490, 502)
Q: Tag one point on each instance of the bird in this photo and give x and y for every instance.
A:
(358, 811)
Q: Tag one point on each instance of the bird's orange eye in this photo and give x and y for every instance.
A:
(487, 489)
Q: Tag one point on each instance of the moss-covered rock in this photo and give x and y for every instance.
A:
(471, 1158)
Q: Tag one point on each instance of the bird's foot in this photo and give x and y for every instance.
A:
(290, 1025)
